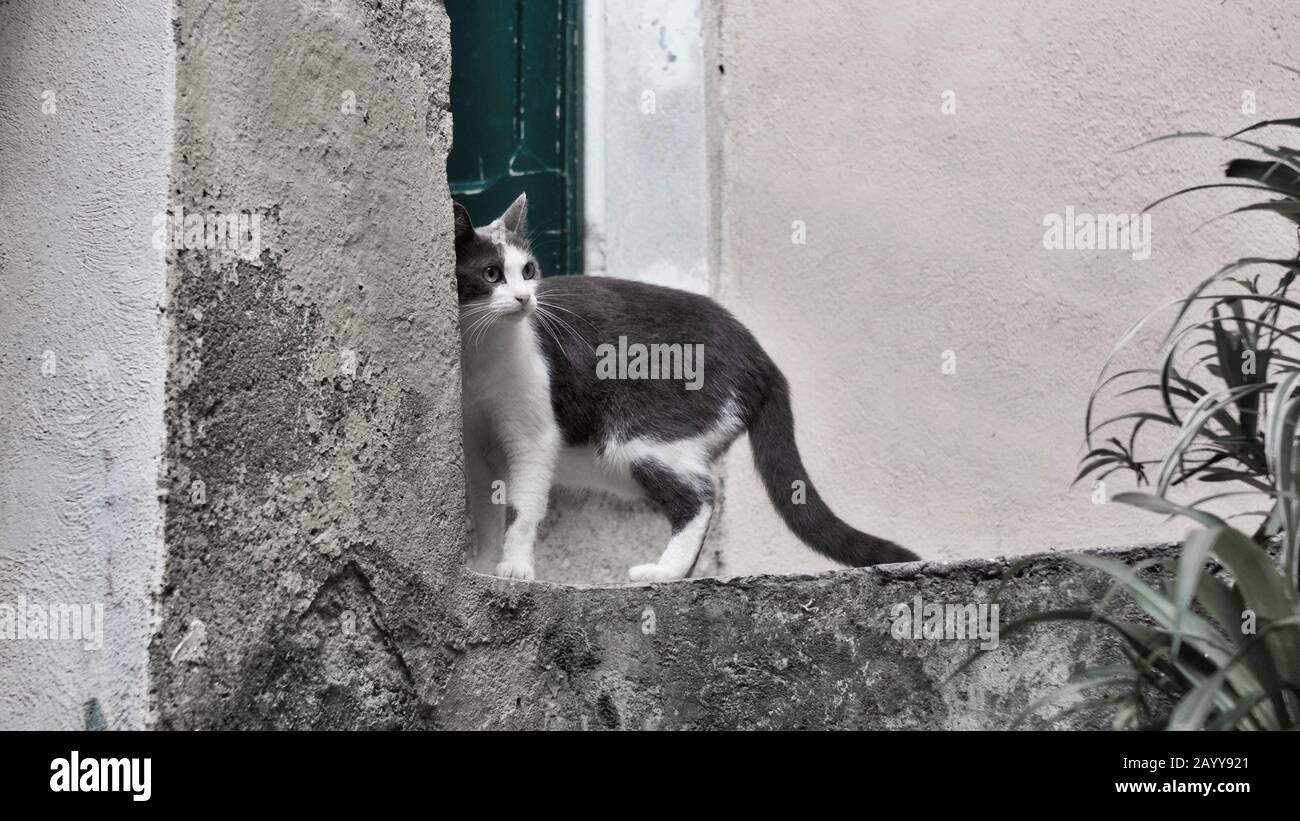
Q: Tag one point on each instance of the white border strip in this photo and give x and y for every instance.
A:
(593, 143)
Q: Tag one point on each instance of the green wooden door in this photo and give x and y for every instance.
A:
(515, 102)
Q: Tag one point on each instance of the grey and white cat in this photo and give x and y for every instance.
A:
(537, 410)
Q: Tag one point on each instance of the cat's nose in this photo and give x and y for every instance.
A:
(522, 299)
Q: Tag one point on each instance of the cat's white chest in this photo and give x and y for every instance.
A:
(507, 384)
(507, 395)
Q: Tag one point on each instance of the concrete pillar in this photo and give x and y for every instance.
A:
(313, 394)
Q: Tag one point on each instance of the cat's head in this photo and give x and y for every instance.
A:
(495, 266)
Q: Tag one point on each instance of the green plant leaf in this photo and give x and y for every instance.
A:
(1191, 563)
(1274, 174)
(1294, 122)
(1159, 504)
(1192, 711)
(1232, 718)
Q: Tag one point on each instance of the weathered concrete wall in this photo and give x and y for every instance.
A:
(924, 235)
(313, 395)
(86, 95)
(315, 578)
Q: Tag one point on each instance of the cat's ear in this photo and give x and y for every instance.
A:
(464, 227)
(515, 219)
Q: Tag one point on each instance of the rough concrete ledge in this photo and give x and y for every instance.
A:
(778, 652)
(765, 652)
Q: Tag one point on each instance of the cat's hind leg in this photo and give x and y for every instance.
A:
(687, 500)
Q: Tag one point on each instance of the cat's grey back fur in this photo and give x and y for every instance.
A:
(599, 310)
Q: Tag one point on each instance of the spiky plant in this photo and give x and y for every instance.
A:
(1218, 651)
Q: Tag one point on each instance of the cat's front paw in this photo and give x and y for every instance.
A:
(652, 573)
(515, 570)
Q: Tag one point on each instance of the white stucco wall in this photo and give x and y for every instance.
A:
(924, 234)
(82, 346)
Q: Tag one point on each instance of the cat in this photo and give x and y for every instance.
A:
(540, 406)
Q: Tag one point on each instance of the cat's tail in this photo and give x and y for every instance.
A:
(771, 435)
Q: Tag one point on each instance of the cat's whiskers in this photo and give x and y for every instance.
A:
(473, 310)
(478, 329)
(474, 319)
(545, 303)
(469, 318)
(541, 309)
(563, 324)
(468, 333)
(492, 317)
(546, 326)
(551, 303)
(466, 322)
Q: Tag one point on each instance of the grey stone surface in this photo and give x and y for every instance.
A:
(319, 578)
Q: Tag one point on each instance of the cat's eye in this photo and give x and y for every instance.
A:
(492, 273)
(530, 270)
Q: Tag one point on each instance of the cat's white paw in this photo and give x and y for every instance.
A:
(515, 570)
(652, 573)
